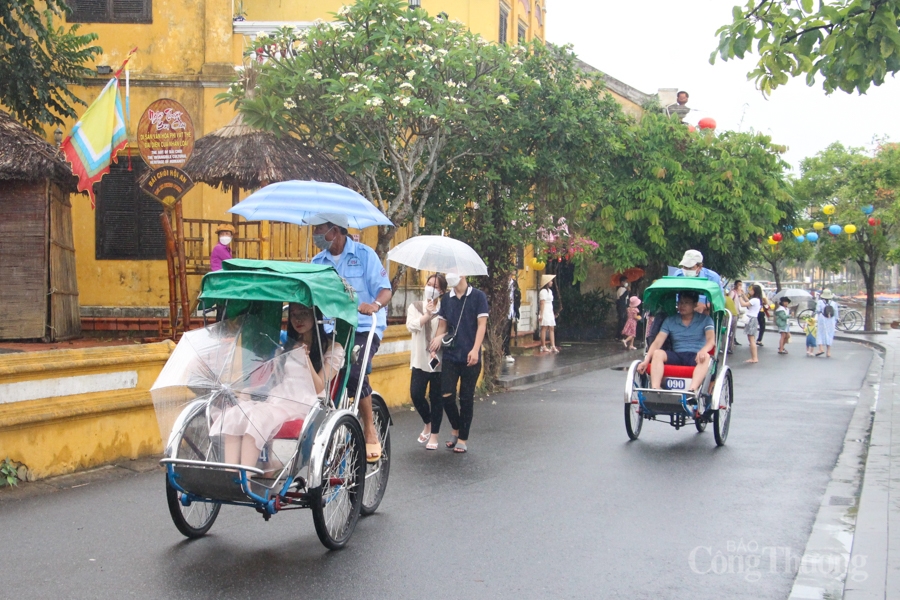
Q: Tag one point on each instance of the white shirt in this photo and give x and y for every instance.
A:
(419, 355)
(753, 309)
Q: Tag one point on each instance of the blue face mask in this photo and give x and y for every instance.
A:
(320, 242)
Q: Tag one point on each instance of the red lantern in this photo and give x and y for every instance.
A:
(707, 123)
(691, 129)
(874, 222)
(777, 237)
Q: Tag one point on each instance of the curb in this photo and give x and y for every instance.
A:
(594, 364)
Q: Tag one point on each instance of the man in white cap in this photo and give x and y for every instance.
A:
(360, 267)
(692, 266)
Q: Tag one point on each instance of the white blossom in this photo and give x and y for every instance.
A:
(502, 98)
(376, 101)
(350, 74)
(405, 101)
(432, 117)
(343, 11)
(289, 104)
(407, 85)
(537, 82)
(261, 34)
(410, 74)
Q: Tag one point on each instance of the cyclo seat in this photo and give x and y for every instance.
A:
(681, 371)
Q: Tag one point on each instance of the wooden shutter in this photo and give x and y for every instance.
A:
(88, 11)
(127, 219)
(131, 11)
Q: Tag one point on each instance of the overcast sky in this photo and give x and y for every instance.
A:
(651, 44)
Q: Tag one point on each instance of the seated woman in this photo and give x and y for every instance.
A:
(302, 371)
(693, 337)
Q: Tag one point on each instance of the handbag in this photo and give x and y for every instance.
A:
(449, 339)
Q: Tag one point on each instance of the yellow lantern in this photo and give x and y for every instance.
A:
(772, 241)
(850, 229)
(799, 231)
(818, 225)
(828, 209)
(537, 265)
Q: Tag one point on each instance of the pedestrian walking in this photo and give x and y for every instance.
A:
(826, 321)
(463, 320)
(761, 317)
(547, 318)
(425, 371)
(221, 251)
(753, 303)
(630, 328)
(737, 290)
(810, 329)
(621, 303)
(512, 316)
(781, 322)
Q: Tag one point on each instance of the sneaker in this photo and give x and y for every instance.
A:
(509, 359)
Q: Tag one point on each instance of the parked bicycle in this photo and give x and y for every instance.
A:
(849, 319)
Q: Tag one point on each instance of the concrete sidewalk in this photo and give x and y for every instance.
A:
(532, 366)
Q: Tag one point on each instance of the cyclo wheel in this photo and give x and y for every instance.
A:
(721, 422)
(700, 424)
(634, 421)
(194, 444)
(377, 473)
(336, 503)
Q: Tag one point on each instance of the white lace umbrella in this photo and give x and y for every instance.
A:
(439, 254)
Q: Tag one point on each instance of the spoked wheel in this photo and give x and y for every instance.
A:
(336, 503)
(805, 314)
(722, 421)
(851, 320)
(633, 419)
(377, 473)
(194, 444)
(700, 424)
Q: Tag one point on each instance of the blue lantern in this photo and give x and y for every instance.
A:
(868, 209)
(835, 229)
(800, 239)
(812, 236)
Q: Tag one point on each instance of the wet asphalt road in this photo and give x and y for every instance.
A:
(552, 501)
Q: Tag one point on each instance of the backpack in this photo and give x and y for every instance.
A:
(828, 311)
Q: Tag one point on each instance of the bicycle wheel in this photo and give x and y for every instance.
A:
(336, 503)
(804, 314)
(722, 421)
(194, 444)
(850, 321)
(634, 421)
(377, 473)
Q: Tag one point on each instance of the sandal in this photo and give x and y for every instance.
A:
(460, 449)
(452, 442)
(554, 349)
(373, 452)
(423, 437)
(431, 446)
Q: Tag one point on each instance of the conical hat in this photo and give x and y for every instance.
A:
(545, 279)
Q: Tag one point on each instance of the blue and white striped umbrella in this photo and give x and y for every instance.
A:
(299, 201)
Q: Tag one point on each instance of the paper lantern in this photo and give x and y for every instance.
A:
(812, 236)
(850, 229)
(799, 232)
(691, 129)
(873, 221)
(818, 225)
(537, 264)
(800, 239)
(868, 209)
(772, 241)
(777, 237)
(707, 123)
(834, 229)
(828, 209)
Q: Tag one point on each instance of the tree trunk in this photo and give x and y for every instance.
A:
(868, 273)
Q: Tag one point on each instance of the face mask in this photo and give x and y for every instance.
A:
(320, 241)
(453, 279)
(689, 272)
(224, 239)
(431, 293)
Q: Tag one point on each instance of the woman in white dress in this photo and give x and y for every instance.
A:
(546, 316)
(301, 374)
(825, 335)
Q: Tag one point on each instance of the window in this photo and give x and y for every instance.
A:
(504, 24)
(110, 11)
(538, 14)
(127, 219)
(523, 39)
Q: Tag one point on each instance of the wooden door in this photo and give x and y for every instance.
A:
(65, 317)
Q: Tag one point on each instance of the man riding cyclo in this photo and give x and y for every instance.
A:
(693, 337)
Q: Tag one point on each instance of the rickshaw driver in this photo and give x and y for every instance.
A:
(692, 266)
(693, 336)
(361, 268)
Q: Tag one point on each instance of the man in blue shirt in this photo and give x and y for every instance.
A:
(362, 270)
(693, 336)
(692, 266)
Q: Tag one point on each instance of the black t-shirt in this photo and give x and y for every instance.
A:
(473, 305)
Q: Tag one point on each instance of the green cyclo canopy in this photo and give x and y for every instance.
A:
(661, 293)
(243, 281)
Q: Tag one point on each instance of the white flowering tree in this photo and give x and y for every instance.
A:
(385, 89)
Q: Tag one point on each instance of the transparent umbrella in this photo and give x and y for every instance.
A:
(796, 296)
(248, 385)
(439, 254)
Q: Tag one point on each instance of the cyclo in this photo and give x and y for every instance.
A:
(237, 376)
(712, 401)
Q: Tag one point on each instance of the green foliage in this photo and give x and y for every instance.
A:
(849, 179)
(668, 189)
(584, 310)
(851, 43)
(8, 472)
(38, 62)
(385, 89)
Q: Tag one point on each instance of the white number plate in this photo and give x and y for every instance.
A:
(674, 383)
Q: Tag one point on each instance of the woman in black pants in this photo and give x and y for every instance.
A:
(761, 319)
(463, 313)
(422, 323)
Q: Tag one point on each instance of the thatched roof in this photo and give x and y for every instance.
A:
(24, 156)
(249, 158)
